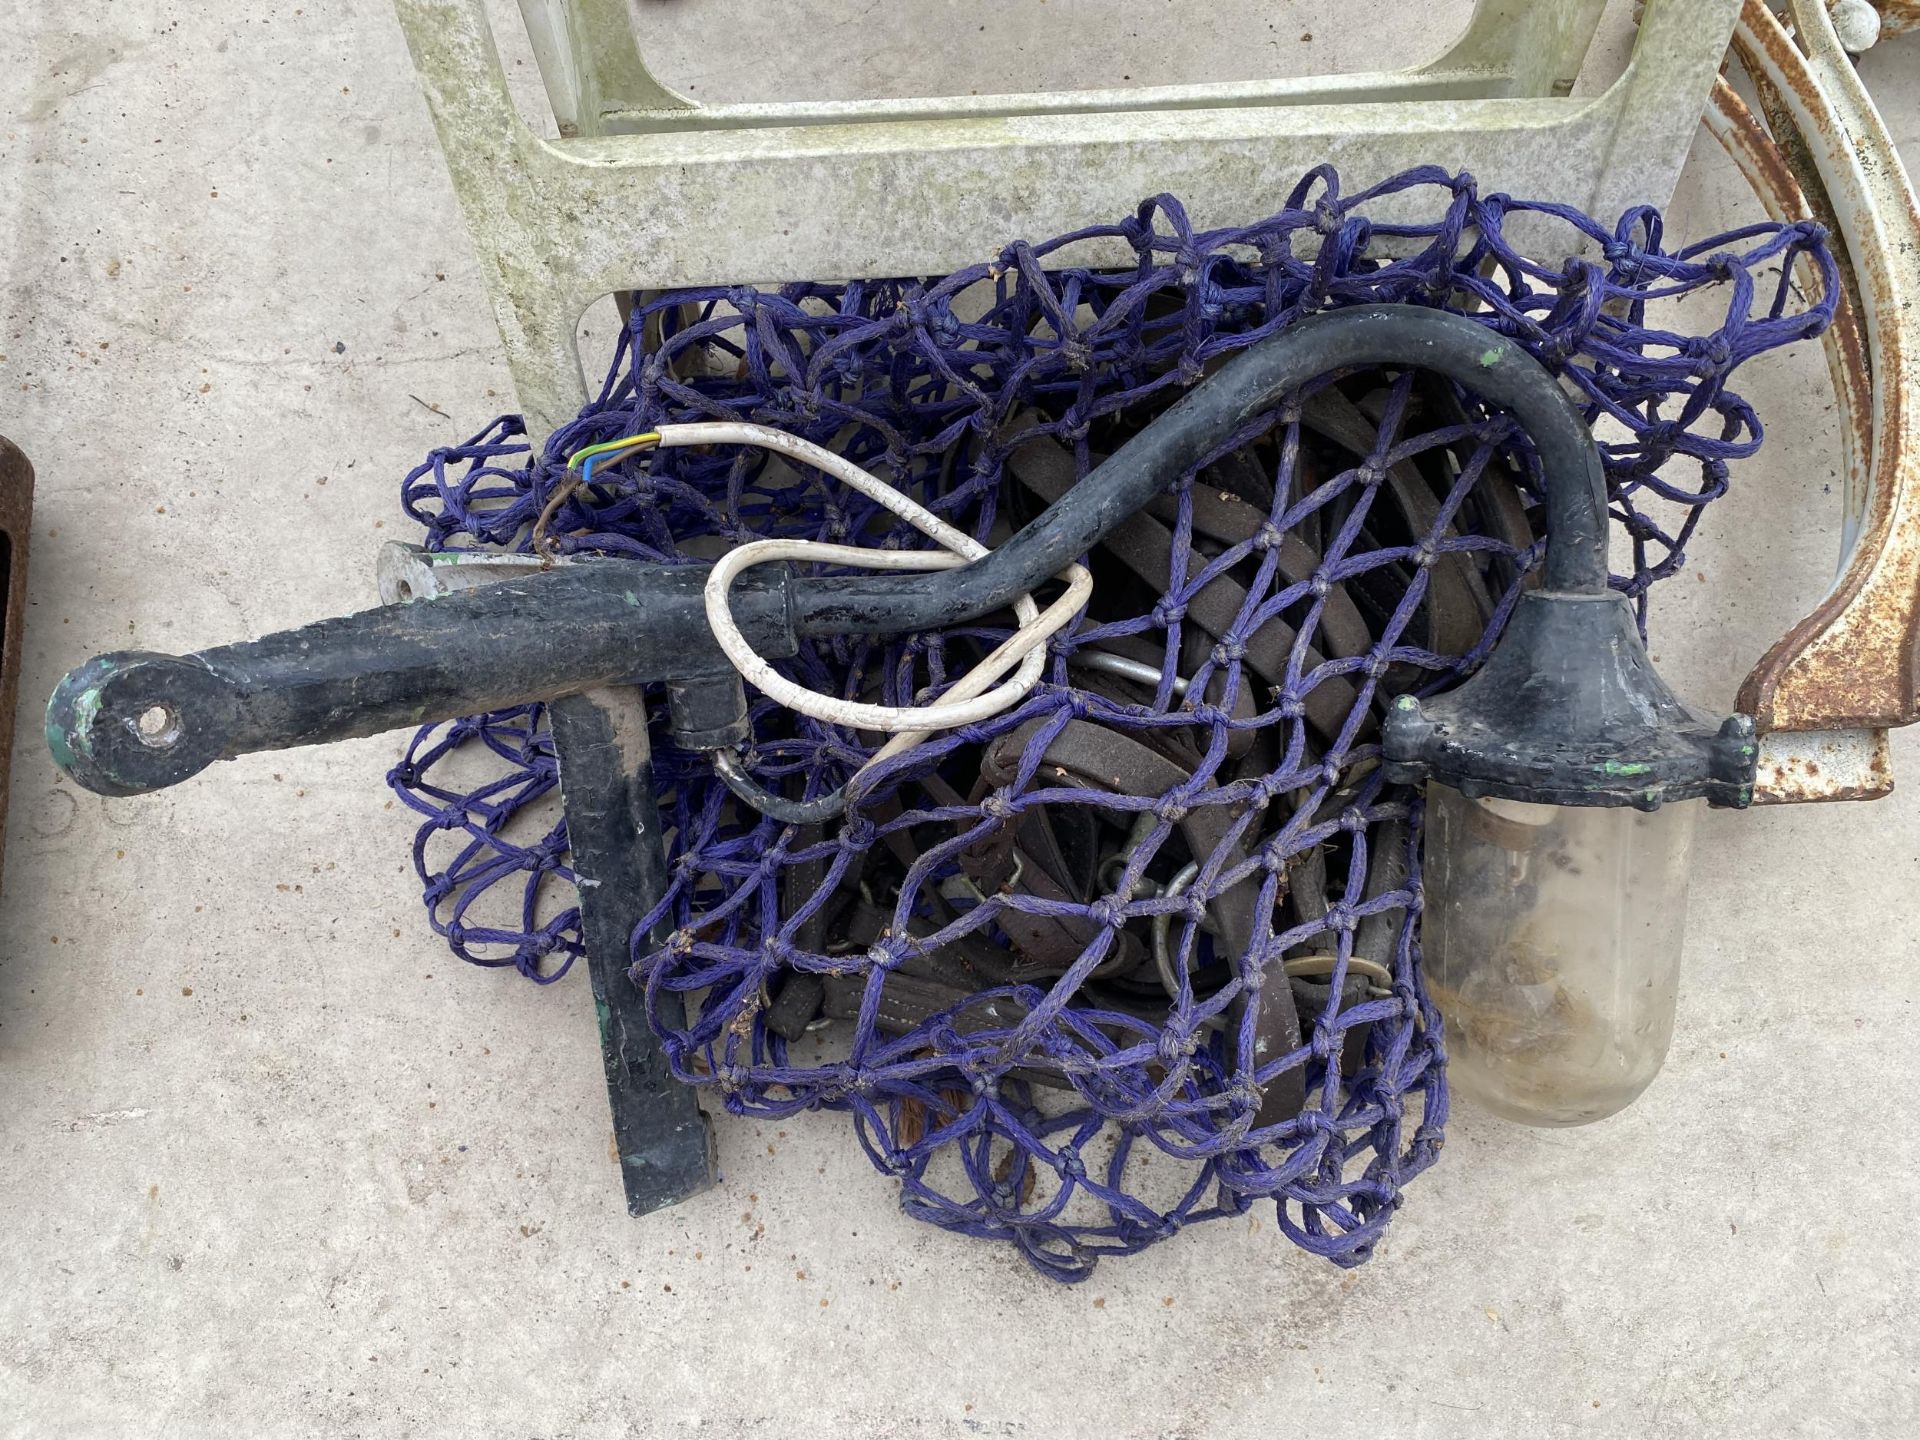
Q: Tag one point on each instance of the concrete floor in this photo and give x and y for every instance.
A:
(274, 1164)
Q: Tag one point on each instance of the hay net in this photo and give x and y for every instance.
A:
(1142, 951)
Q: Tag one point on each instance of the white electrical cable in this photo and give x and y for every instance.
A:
(1022, 647)
(969, 699)
(1021, 643)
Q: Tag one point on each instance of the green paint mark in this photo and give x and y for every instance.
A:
(1619, 767)
(632, 599)
(57, 742)
(1489, 359)
(65, 740)
(86, 710)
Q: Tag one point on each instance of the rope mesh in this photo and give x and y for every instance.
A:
(1095, 1093)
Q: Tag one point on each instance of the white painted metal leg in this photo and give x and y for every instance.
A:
(741, 194)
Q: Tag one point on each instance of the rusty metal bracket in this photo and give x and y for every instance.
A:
(16, 515)
(1827, 692)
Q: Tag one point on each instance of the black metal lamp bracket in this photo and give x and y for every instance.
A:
(1567, 709)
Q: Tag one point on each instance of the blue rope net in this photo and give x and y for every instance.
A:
(1047, 983)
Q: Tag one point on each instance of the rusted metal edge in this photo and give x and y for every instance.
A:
(16, 517)
(1799, 766)
(1796, 766)
(1897, 17)
(1851, 663)
(1849, 361)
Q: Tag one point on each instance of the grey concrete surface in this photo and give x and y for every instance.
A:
(273, 1164)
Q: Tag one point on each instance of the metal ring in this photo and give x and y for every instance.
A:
(1163, 925)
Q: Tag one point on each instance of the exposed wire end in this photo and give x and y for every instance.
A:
(583, 460)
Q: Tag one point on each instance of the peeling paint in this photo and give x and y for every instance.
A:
(1798, 766)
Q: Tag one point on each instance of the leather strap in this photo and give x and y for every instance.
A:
(1146, 548)
(1095, 757)
(1458, 606)
(1229, 505)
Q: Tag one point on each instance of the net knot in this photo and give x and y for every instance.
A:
(1174, 1046)
(936, 320)
(1623, 259)
(1711, 354)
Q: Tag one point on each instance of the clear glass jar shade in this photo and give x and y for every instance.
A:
(1551, 940)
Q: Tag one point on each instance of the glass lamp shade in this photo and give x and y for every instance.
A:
(1551, 940)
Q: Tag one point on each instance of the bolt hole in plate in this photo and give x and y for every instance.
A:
(158, 727)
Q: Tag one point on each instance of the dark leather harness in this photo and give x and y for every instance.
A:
(1054, 850)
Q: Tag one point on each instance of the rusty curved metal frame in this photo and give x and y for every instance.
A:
(1828, 691)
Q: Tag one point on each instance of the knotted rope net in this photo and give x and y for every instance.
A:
(1142, 951)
